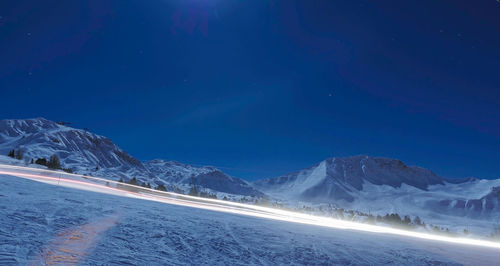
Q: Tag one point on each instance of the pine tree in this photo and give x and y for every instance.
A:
(32, 161)
(161, 187)
(193, 191)
(19, 154)
(11, 153)
(68, 170)
(406, 220)
(54, 162)
(393, 218)
(133, 181)
(41, 161)
(417, 221)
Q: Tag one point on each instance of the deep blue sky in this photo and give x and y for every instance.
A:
(262, 88)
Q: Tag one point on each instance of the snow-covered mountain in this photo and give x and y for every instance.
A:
(184, 175)
(382, 185)
(91, 154)
(363, 183)
(341, 178)
(79, 150)
(478, 205)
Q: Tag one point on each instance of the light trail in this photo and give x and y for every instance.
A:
(121, 189)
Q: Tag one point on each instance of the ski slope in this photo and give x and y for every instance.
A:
(52, 224)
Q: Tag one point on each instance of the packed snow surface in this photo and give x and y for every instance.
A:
(41, 223)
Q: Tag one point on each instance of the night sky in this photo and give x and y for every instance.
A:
(263, 88)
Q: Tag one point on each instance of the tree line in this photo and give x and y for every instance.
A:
(16, 154)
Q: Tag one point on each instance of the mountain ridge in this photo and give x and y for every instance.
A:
(88, 153)
(338, 177)
(381, 185)
(359, 182)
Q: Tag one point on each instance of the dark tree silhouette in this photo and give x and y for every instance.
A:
(41, 161)
(19, 154)
(417, 221)
(133, 181)
(161, 187)
(193, 191)
(406, 220)
(54, 162)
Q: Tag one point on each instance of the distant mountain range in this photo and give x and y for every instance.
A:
(364, 183)
(91, 154)
(184, 175)
(381, 185)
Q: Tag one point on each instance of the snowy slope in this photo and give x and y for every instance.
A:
(43, 224)
(382, 185)
(184, 176)
(91, 154)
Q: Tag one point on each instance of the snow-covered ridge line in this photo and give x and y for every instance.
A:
(362, 183)
(119, 189)
(380, 186)
(87, 153)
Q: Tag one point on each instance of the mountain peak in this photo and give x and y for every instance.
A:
(186, 175)
(77, 149)
(340, 178)
(17, 127)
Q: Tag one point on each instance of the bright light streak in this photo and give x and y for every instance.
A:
(103, 186)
